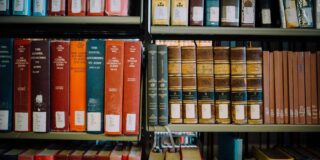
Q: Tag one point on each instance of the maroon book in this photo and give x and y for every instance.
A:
(60, 85)
(196, 12)
(57, 7)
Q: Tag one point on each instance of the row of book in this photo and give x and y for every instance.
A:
(244, 13)
(231, 84)
(64, 7)
(61, 85)
(72, 151)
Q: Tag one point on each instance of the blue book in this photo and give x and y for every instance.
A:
(6, 84)
(5, 7)
(21, 8)
(230, 147)
(95, 85)
(237, 147)
(39, 8)
(212, 13)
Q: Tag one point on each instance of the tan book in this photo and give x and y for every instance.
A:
(301, 88)
(295, 88)
(266, 87)
(290, 87)
(285, 86)
(314, 85)
(278, 81)
(179, 12)
(272, 90)
(160, 12)
(307, 70)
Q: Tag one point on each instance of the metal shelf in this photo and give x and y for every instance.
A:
(235, 128)
(66, 136)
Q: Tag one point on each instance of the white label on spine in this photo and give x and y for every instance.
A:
(55, 5)
(21, 120)
(248, 15)
(161, 13)
(112, 123)
(231, 14)
(190, 111)
(95, 6)
(223, 111)
(175, 111)
(4, 119)
(214, 14)
(76, 6)
(38, 5)
(131, 122)
(79, 118)
(94, 121)
(266, 16)
(3, 5)
(239, 112)
(206, 111)
(39, 120)
(18, 5)
(197, 14)
(255, 111)
(180, 14)
(115, 5)
(60, 120)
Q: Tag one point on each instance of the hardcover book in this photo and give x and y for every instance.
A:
(285, 87)
(290, 9)
(12, 154)
(230, 13)
(314, 101)
(266, 87)
(290, 87)
(317, 14)
(116, 153)
(278, 81)
(196, 12)
(212, 12)
(265, 13)
(160, 12)
(39, 8)
(282, 14)
(179, 12)
(5, 7)
(95, 7)
(28, 154)
(77, 7)
(295, 87)
(117, 7)
(248, 17)
(305, 13)
(21, 8)
(152, 85)
(63, 154)
(47, 154)
(272, 89)
(307, 71)
(301, 88)
(57, 7)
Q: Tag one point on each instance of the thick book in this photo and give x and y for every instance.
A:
(295, 88)
(290, 9)
(21, 7)
(175, 84)
(179, 12)
(314, 94)
(301, 88)
(266, 87)
(95, 85)
(230, 13)
(307, 71)
(132, 87)
(196, 12)
(28, 154)
(56, 7)
(152, 85)
(5, 7)
(113, 105)
(60, 85)
(278, 85)
(40, 82)
(285, 87)
(305, 13)
(39, 8)
(248, 13)
(205, 78)
(6, 85)
(117, 8)
(77, 7)
(265, 13)
(290, 87)
(212, 13)
(272, 89)
(125, 152)
(160, 12)
(91, 154)
(78, 153)
(189, 84)
(95, 7)
(78, 85)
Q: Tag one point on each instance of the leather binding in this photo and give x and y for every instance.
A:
(314, 95)
(301, 88)
(254, 85)
(179, 12)
(272, 89)
(222, 84)
(60, 85)
(290, 87)
(57, 7)
(196, 12)
(77, 8)
(152, 85)
(212, 13)
(63, 154)
(248, 15)
(117, 8)
(160, 12)
(266, 87)
(285, 87)
(205, 79)
(307, 71)
(95, 7)
(238, 85)
(295, 88)
(40, 82)
(189, 84)
(278, 85)
(231, 7)
(175, 84)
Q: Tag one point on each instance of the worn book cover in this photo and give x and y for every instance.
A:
(314, 94)
(266, 87)
(196, 12)
(230, 13)
(5, 7)
(152, 85)
(212, 13)
(248, 13)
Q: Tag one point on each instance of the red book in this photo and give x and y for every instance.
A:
(135, 153)
(301, 89)
(272, 90)
(116, 153)
(77, 7)
(295, 88)
(125, 153)
(60, 85)
(95, 7)
(290, 86)
(57, 7)
(307, 69)
(314, 85)
(117, 7)
(113, 86)
(22, 86)
(28, 154)
(131, 84)
(285, 87)
(47, 154)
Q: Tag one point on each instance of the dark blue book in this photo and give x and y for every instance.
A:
(95, 85)
(6, 84)
(230, 146)
(5, 6)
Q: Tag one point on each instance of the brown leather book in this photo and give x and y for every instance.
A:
(266, 86)
(230, 13)
(295, 88)
(307, 69)
(278, 81)
(314, 94)
(290, 87)
(196, 12)
(285, 87)
(301, 88)
(272, 90)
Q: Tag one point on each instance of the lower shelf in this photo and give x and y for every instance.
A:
(235, 128)
(66, 136)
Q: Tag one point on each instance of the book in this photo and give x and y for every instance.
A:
(63, 154)
(152, 85)
(282, 14)
(60, 85)
(40, 82)
(28, 154)
(212, 13)
(290, 87)
(238, 85)
(95, 85)
(117, 8)
(135, 153)
(132, 87)
(230, 13)
(301, 88)
(314, 94)
(80, 151)
(175, 84)
(189, 84)
(179, 12)
(77, 7)
(248, 15)
(156, 155)
(47, 154)
(21, 7)
(39, 8)
(104, 153)
(266, 87)
(190, 154)
(6, 85)
(231, 147)
(125, 152)
(91, 154)
(265, 13)
(78, 85)
(56, 7)
(278, 85)
(291, 13)
(116, 153)
(95, 7)
(272, 89)
(113, 106)
(305, 13)
(317, 14)
(5, 7)
(205, 78)
(307, 71)
(160, 12)
(196, 12)
(285, 87)
(295, 88)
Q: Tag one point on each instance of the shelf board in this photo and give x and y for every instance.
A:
(66, 136)
(232, 31)
(236, 128)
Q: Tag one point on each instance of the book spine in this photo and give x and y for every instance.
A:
(291, 13)
(254, 85)
(301, 88)
(5, 7)
(285, 87)
(77, 7)
(175, 84)
(95, 7)
(40, 82)
(163, 85)
(60, 85)
(179, 12)
(318, 81)
(39, 8)
(266, 87)
(282, 14)
(205, 86)
(272, 90)
(212, 13)
(113, 87)
(317, 14)
(305, 13)
(314, 94)
(248, 13)
(307, 71)
(6, 85)
(77, 85)
(152, 85)
(265, 13)
(230, 13)
(278, 81)
(117, 8)
(196, 12)
(290, 86)
(189, 84)
(295, 88)
(222, 84)
(57, 7)
(160, 12)
(21, 7)
(132, 86)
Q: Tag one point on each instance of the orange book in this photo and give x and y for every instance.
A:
(301, 89)
(272, 90)
(285, 87)
(307, 71)
(295, 88)
(113, 86)
(290, 87)
(78, 85)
